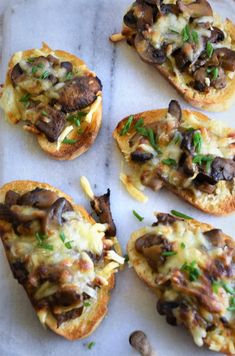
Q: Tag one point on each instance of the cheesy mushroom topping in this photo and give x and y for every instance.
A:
(51, 94)
(60, 257)
(184, 37)
(183, 150)
(192, 269)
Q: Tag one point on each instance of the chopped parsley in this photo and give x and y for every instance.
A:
(69, 76)
(41, 241)
(231, 304)
(209, 49)
(177, 138)
(90, 345)
(127, 126)
(25, 100)
(169, 253)
(139, 123)
(87, 304)
(140, 218)
(182, 245)
(215, 286)
(44, 113)
(214, 71)
(169, 162)
(192, 270)
(149, 133)
(174, 31)
(126, 258)
(180, 215)
(186, 34)
(34, 69)
(195, 36)
(69, 141)
(45, 75)
(201, 159)
(66, 244)
(76, 118)
(197, 141)
(228, 288)
(31, 60)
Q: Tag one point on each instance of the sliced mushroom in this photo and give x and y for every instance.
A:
(19, 271)
(66, 297)
(221, 169)
(181, 60)
(101, 206)
(217, 35)
(16, 74)
(147, 52)
(186, 162)
(216, 237)
(147, 240)
(130, 19)
(53, 60)
(69, 315)
(67, 65)
(141, 156)
(175, 110)
(26, 213)
(51, 125)
(165, 219)
(166, 308)
(54, 214)
(219, 82)
(169, 9)
(200, 80)
(39, 198)
(206, 188)
(187, 142)
(11, 198)
(78, 93)
(226, 58)
(198, 8)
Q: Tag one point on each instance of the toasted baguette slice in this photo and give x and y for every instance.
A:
(57, 98)
(173, 38)
(47, 278)
(188, 265)
(165, 150)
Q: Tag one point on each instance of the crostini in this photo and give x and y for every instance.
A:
(56, 97)
(190, 267)
(184, 151)
(189, 45)
(64, 259)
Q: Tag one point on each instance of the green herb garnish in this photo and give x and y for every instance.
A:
(177, 138)
(169, 162)
(69, 76)
(149, 133)
(25, 99)
(201, 159)
(69, 141)
(169, 253)
(126, 258)
(127, 126)
(68, 245)
(76, 118)
(44, 113)
(195, 36)
(186, 33)
(215, 286)
(30, 60)
(192, 270)
(174, 31)
(214, 71)
(34, 69)
(231, 304)
(45, 75)
(228, 288)
(197, 141)
(63, 238)
(87, 304)
(139, 123)
(180, 215)
(182, 245)
(90, 345)
(209, 49)
(41, 241)
(140, 218)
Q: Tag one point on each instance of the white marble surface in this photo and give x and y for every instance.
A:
(83, 27)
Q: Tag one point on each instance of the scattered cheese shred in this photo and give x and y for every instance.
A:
(112, 255)
(62, 136)
(132, 190)
(116, 37)
(85, 184)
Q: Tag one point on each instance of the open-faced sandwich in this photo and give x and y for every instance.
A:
(184, 151)
(57, 98)
(190, 266)
(64, 259)
(189, 44)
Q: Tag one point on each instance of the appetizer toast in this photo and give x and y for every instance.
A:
(56, 97)
(60, 255)
(184, 151)
(190, 266)
(189, 45)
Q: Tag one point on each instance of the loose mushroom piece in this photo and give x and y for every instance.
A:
(174, 109)
(39, 198)
(51, 125)
(147, 240)
(67, 65)
(147, 52)
(139, 341)
(101, 205)
(141, 156)
(198, 8)
(16, 74)
(78, 93)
